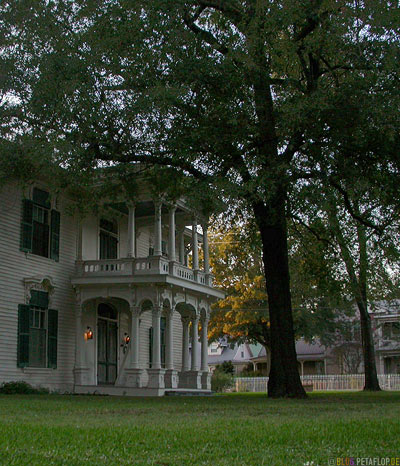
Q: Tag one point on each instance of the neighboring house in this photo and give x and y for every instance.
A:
(105, 303)
(344, 357)
(222, 351)
(311, 358)
(386, 319)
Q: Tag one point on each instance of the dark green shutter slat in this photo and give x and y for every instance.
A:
(27, 226)
(52, 329)
(55, 235)
(24, 318)
(150, 346)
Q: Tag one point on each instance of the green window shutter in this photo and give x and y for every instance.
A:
(150, 346)
(52, 333)
(24, 320)
(27, 226)
(55, 235)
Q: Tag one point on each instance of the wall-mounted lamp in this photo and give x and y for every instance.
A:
(88, 334)
(125, 342)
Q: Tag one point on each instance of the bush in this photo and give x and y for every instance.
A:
(220, 381)
(21, 388)
(227, 367)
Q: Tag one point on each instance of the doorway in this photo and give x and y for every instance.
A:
(107, 344)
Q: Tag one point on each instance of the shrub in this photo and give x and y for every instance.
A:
(21, 388)
(227, 367)
(220, 381)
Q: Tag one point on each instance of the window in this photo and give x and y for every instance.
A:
(40, 226)
(391, 330)
(214, 348)
(108, 239)
(37, 332)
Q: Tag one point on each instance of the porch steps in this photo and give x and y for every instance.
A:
(188, 392)
(130, 391)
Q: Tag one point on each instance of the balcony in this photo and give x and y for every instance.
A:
(146, 269)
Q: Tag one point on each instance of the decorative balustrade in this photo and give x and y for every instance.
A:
(105, 268)
(152, 265)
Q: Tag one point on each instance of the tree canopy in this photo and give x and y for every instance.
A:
(247, 96)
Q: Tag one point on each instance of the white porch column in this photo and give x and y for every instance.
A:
(134, 374)
(195, 246)
(181, 242)
(169, 343)
(157, 229)
(205, 249)
(204, 345)
(195, 343)
(206, 374)
(171, 238)
(81, 373)
(185, 343)
(156, 374)
(135, 344)
(171, 375)
(79, 336)
(131, 232)
(156, 348)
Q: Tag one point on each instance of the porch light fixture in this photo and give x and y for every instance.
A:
(88, 334)
(125, 342)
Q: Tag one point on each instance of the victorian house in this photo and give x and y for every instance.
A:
(105, 303)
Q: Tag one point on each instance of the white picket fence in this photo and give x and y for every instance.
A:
(321, 382)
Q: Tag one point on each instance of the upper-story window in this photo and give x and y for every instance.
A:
(108, 239)
(214, 348)
(40, 227)
(391, 330)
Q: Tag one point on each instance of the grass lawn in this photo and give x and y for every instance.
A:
(235, 429)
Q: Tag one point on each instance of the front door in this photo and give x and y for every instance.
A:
(107, 348)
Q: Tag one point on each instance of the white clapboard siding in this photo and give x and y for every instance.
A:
(15, 265)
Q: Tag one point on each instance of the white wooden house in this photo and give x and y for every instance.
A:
(106, 303)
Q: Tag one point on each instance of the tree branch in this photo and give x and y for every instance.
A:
(206, 36)
(310, 229)
(231, 11)
(350, 208)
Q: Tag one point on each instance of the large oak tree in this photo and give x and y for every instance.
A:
(229, 92)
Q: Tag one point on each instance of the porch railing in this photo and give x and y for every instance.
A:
(321, 382)
(152, 265)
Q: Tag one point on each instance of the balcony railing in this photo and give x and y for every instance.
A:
(153, 265)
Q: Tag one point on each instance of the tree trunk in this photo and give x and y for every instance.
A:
(284, 379)
(371, 377)
(359, 288)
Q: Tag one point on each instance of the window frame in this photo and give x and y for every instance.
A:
(38, 210)
(110, 233)
(28, 324)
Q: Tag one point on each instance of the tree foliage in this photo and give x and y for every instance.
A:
(246, 96)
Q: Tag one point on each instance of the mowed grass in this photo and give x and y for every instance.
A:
(247, 429)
